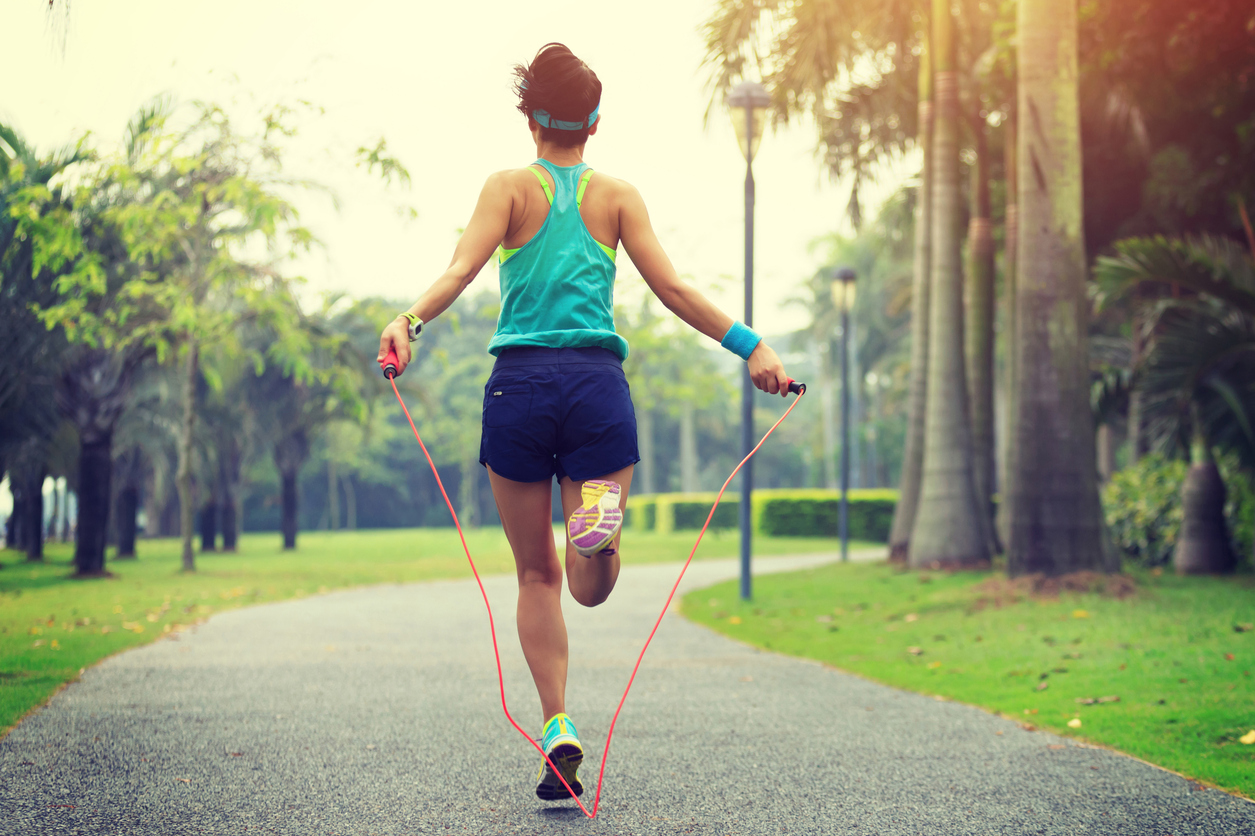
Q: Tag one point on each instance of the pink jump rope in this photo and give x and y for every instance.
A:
(389, 365)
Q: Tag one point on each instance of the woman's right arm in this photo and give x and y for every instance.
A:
(484, 232)
(681, 298)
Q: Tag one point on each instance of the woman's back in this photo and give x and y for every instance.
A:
(557, 276)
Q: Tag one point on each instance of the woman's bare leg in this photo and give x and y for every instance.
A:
(591, 579)
(526, 510)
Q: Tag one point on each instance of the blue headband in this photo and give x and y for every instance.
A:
(543, 118)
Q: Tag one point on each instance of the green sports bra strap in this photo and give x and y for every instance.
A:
(545, 184)
(579, 194)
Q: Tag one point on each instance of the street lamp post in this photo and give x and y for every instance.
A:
(843, 296)
(748, 102)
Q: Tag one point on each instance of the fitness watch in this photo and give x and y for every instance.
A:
(415, 326)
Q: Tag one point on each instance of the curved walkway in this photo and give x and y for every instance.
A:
(375, 711)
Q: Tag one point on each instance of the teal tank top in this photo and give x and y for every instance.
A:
(557, 290)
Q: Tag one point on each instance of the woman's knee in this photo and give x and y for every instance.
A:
(547, 574)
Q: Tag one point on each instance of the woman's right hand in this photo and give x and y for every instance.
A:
(767, 371)
(396, 336)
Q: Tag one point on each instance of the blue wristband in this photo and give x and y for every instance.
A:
(740, 340)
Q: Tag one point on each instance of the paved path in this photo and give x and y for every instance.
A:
(374, 711)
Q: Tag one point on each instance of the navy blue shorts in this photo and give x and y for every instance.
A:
(564, 411)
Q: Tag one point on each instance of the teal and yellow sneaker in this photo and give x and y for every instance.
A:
(560, 741)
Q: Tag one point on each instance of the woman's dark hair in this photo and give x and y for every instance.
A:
(563, 85)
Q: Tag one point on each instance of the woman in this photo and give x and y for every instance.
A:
(557, 402)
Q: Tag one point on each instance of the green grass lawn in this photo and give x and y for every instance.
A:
(51, 626)
(1179, 653)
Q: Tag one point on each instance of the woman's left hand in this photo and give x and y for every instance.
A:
(767, 371)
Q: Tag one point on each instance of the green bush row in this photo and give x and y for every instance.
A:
(782, 512)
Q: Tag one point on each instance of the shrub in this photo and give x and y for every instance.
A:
(870, 515)
(1143, 508)
(779, 512)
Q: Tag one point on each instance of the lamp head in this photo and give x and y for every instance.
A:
(843, 288)
(748, 103)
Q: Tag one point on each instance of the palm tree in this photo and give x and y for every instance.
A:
(1197, 380)
(913, 455)
(951, 527)
(1054, 518)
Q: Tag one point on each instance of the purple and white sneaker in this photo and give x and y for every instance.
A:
(594, 524)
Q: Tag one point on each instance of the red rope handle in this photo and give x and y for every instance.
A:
(492, 628)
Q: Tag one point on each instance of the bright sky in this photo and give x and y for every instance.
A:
(434, 79)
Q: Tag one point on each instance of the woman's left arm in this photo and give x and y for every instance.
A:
(484, 232)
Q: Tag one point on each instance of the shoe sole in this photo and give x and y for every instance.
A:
(567, 757)
(596, 522)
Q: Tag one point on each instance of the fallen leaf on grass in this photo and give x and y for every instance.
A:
(1248, 738)
(914, 651)
(1042, 686)
(911, 617)
(1243, 628)
(1228, 657)
(1080, 614)
(1074, 723)
(1112, 698)
(736, 619)
(1085, 700)
(934, 665)
(1030, 711)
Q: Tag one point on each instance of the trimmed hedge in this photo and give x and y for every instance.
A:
(780, 512)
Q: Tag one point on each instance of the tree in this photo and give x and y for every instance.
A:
(1054, 518)
(951, 527)
(913, 455)
(1198, 376)
(30, 356)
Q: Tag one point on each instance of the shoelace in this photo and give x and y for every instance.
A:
(492, 628)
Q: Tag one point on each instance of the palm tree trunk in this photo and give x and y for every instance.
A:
(183, 479)
(33, 525)
(1203, 547)
(1137, 438)
(645, 432)
(51, 530)
(688, 448)
(950, 529)
(827, 392)
(350, 503)
(289, 503)
(913, 455)
(230, 462)
(1012, 230)
(467, 488)
(979, 322)
(1055, 520)
(95, 477)
(128, 502)
(333, 496)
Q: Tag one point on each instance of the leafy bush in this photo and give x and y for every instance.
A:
(1143, 508)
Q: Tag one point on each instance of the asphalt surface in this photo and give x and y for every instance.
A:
(375, 711)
